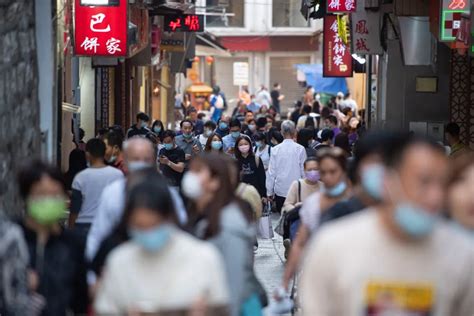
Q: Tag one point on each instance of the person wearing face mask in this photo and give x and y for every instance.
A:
(251, 167)
(229, 140)
(113, 151)
(56, 267)
(141, 127)
(223, 126)
(250, 129)
(158, 129)
(254, 106)
(262, 150)
(223, 219)
(172, 159)
(88, 185)
(460, 195)
(160, 268)
(214, 143)
(367, 173)
(333, 188)
(197, 123)
(139, 154)
(209, 128)
(186, 141)
(369, 259)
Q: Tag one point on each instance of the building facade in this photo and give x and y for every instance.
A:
(271, 35)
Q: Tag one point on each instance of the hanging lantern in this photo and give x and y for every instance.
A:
(197, 59)
(209, 60)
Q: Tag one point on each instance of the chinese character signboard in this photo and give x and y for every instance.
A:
(341, 6)
(365, 32)
(184, 23)
(100, 30)
(337, 59)
(451, 12)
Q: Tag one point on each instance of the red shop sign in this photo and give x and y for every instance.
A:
(337, 59)
(100, 30)
(341, 6)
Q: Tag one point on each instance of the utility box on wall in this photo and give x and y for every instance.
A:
(434, 130)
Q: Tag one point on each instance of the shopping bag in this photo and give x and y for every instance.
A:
(265, 229)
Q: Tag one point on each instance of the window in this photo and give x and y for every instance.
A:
(286, 13)
(237, 7)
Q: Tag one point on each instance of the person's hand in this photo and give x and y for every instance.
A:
(270, 198)
(33, 280)
(188, 156)
(196, 149)
(264, 200)
(164, 160)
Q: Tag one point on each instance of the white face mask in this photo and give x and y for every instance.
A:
(191, 185)
(134, 166)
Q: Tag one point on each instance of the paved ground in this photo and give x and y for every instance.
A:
(269, 261)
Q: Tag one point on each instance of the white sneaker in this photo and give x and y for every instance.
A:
(281, 307)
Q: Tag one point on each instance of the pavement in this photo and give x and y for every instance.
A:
(270, 262)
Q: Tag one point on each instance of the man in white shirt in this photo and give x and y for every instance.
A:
(139, 154)
(286, 165)
(348, 102)
(398, 258)
(88, 184)
(263, 97)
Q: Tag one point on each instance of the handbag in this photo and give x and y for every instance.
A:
(264, 228)
(282, 225)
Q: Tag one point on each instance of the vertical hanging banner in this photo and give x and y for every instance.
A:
(100, 30)
(365, 27)
(337, 59)
(341, 6)
(451, 12)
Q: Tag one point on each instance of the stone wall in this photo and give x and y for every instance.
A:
(19, 107)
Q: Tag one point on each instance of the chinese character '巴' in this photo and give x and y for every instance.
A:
(174, 25)
(97, 19)
(90, 44)
(113, 46)
(457, 4)
(361, 27)
(192, 22)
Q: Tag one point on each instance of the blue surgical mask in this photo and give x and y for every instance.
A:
(152, 240)
(335, 191)
(157, 129)
(372, 181)
(258, 144)
(235, 135)
(413, 220)
(207, 133)
(168, 146)
(134, 166)
(143, 125)
(223, 125)
(216, 145)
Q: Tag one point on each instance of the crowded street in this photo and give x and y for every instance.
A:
(236, 158)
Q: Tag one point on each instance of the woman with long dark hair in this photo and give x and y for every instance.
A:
(251, 168)
(226, 221)
(160, 268)
(214, 143)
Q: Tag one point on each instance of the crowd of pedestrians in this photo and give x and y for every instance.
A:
(166, 221)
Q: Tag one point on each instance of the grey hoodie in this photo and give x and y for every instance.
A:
(235, 242)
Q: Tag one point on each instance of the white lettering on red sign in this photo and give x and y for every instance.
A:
(335, 4)
(113, 46)
(99, 19)
(90, 44)
(350, 5)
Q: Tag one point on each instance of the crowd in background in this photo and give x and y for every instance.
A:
(154, 220)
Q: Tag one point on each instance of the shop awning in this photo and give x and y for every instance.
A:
(207, 45)
(313, 75)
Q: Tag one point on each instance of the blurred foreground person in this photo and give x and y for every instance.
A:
(334, 188)
(57, 271)
(139, 154)
(161, 268)
(398, 257)
(226, 221)
(461, 194)
(14, 299)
